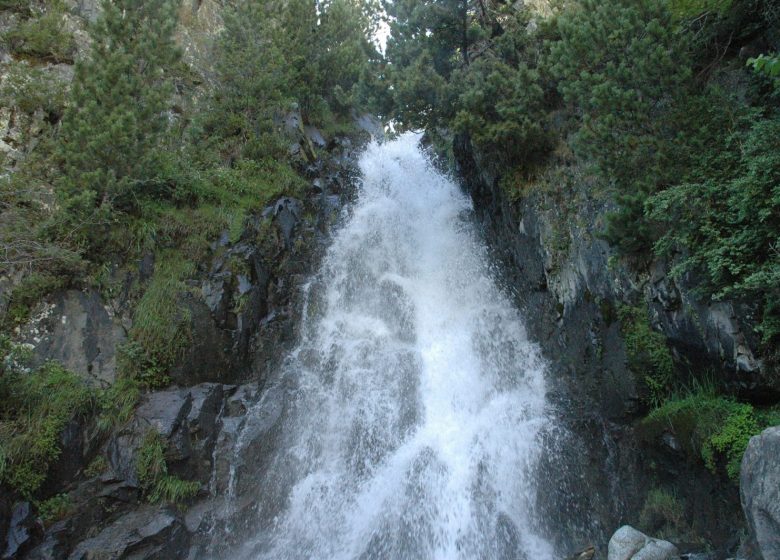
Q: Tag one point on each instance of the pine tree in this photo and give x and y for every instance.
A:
(112, 130)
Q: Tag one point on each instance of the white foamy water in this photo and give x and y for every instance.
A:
(417, 402)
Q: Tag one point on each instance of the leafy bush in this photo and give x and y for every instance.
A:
(725, 225)
(152, 470)
(649, 357)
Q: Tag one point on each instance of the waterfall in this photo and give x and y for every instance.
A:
(414, 402)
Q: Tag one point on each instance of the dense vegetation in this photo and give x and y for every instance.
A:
(672, 104)
(121, 162)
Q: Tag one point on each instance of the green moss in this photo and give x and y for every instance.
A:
(649, 357)
(713, 428)
(34, 410)
(152, 470)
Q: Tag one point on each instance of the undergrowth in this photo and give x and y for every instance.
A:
(152, 470)
(712, 428)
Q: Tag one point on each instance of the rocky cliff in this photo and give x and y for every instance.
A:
(576, 295)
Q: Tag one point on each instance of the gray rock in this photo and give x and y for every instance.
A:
(188, 420)
(760, 491)
(20, 532)
(287, 213)
(149, 533)
(315, 136)
(370, 124)
(79, 330)
(629, 544)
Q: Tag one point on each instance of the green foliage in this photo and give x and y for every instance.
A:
(43, 37)
(28, 293)
(152, 470)
(684, 9)
(768, 65)
(55, 508)
(726, 224)
(649, 357)
(662, 512)
(111, 133)
(96, 467)
(34, 409)
(29, 88)
(161, 325)
(501, 100)
(621, 64)
(713, 428)
(117, 403)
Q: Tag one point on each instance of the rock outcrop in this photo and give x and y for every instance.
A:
(760, 492)
(571, 286)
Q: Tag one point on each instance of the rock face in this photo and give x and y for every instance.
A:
(760, 492)
(79, 330)
(570, 285)
(629, 544)
(149, 533)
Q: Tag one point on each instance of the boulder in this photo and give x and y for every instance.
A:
(149, 533)
(759, 486)
(629, 544)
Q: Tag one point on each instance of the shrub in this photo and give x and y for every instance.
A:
(713, 428)
(725, 224)
(152, 470)
(161, 326)
(43, 37)
(621, 64)
(34, 410)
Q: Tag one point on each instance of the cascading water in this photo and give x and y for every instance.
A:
(414, 402)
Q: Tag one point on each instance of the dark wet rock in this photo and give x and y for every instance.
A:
(22, 531)
(79, 330)
(569, 285)
(189, 422)
(149, 533)
(760, 492)
(146, 267)
(241, 400)
(287, 213)
(205, 358)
